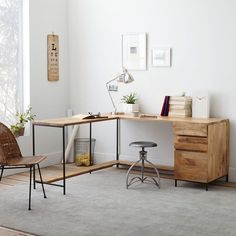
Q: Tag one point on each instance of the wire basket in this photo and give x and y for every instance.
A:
(82, 157)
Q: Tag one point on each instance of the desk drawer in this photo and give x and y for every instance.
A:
(191, 166)
(191, 143)
(191, 129)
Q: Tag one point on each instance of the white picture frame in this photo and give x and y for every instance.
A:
(161, 57)
(134, 51)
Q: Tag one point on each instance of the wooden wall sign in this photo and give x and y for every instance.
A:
(53, 57)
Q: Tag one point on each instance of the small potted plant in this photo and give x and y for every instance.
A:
(18, 128)
(130, 103)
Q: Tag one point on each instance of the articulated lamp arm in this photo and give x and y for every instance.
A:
(126, 78)
(109, 92)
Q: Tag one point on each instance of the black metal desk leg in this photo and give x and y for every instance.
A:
(33, 141)
(30, 188)
(34, 182)
(33, 134)
(117, 140)
(64, 161)
(90, 144)
(227, 178)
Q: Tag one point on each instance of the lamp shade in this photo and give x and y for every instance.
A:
(125, 77)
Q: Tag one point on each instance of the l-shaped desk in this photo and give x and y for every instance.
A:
(201, 145)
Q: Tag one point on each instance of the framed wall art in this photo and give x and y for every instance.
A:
(161, 57)
(134, 47)
(53, 57)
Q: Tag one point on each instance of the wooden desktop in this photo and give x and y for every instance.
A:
(201, 145)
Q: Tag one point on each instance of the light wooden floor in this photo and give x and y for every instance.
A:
(11, 232)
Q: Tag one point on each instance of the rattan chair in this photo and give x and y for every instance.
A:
(11, 157)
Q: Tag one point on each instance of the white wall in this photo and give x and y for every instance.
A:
(48, 99)
(202, 35)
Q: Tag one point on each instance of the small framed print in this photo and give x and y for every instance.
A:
(161, 57)
(134, 51)
(53, 57)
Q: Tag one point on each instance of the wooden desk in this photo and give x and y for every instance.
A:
(201, 145)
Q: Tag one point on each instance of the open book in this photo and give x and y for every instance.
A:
(90, 116)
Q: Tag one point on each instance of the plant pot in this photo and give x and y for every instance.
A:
(20, 132)
(130, 108)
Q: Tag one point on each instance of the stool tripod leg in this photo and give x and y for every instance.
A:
(142, 170)
(2, 169)
(128, 172)
(157, 172)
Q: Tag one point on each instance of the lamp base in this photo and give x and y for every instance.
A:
(117, 113)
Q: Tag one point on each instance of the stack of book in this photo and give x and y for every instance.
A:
(180, 106)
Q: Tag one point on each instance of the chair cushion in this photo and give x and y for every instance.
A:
(143, 144)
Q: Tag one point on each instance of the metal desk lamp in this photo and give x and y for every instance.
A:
(126, 78)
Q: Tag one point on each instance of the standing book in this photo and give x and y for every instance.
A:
(165, 106)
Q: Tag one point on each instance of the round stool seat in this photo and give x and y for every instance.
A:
(143, 144)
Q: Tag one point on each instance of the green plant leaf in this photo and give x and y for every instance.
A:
(22, 119)
(129, 99)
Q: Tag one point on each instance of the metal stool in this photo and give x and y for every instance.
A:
(143, 158)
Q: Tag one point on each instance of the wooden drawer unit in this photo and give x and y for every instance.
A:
(190, 129)
(191, 143)
(201, 151)
(191, 166)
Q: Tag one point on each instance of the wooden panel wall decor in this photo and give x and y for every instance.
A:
(53, 57)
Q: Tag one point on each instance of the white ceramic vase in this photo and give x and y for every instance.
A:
(130, 108)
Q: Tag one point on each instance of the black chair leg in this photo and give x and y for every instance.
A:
(34, 177)
(176, 182)
(30, 183)
(1, 173)
(41, 181)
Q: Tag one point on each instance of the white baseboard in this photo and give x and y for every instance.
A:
(100, 157)
(103, 157)
(53, 158)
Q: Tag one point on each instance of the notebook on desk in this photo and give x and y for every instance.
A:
(147, 116)
(90, 116)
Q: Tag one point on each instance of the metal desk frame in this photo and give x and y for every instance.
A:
(62, 124)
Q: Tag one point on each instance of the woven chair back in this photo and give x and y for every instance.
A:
(9, 148)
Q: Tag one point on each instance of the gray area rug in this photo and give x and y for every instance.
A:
(98, 204)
